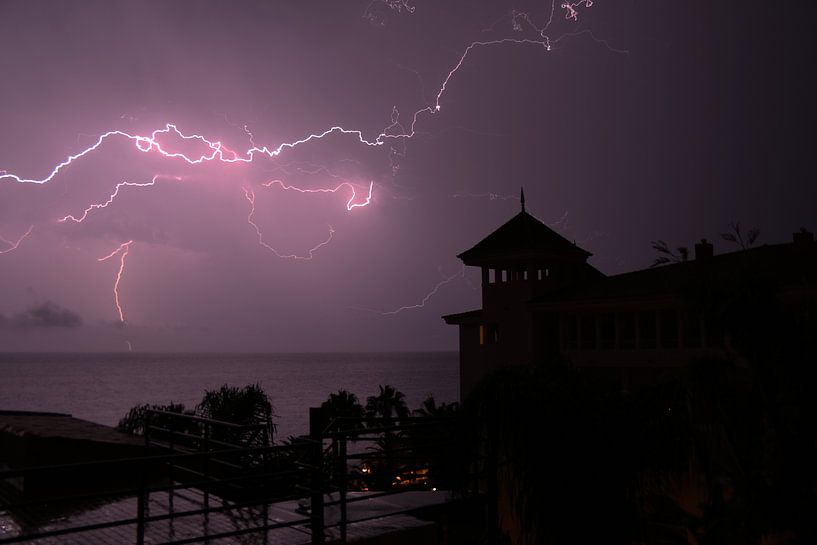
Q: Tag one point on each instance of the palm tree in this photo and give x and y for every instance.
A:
(667, 254)
(343, 405)
(389, 406)
(434, 444)
(249, 405)
(430, 409)
(135, 420)
(383, 410)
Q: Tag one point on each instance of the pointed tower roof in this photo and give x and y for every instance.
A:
(523, 236)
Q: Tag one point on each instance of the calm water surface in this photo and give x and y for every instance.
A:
(102, 387)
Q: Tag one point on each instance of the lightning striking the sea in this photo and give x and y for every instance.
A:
(172, 143)
(122, 252)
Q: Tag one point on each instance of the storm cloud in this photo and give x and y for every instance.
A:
(43, 315)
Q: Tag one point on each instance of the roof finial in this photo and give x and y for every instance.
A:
(522, 198)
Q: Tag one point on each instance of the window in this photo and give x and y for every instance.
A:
(691, 329)
(504, 275)
(488, 334)
(588, 332)
(626, 331)
(669, 328)
(571, 332)
(492, 334)
(646, 329)
(607, 331)
(491, 276)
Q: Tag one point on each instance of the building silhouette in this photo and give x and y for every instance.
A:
(543, 303)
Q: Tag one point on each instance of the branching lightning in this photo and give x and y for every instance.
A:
(219, 152)
(122, 251)
(250, 196)
(350, 204)
(111, 198)
(159, 142)
(13, 244)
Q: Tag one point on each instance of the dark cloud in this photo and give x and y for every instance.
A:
(44, 315)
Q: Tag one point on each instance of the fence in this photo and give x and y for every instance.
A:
(233, 471)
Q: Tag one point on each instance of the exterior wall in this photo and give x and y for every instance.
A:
(511, 334)
(472, 361)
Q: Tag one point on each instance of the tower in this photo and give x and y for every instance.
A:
(522, 259)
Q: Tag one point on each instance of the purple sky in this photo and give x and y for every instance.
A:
(646, 120)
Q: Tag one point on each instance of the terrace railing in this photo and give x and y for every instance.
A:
(232, 472)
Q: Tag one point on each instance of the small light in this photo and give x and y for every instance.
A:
(434, 489)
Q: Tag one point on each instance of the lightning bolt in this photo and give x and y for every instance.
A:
(350, 204)
(13, 244)
(423, 302)
(122, 251)
(216, 151)
(219, 152)
(112, 196)
(250, 196)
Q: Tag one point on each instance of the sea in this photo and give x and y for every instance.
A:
(102, 387)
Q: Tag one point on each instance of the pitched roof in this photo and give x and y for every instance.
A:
(469, 317)
(523, 235)
(778, 264)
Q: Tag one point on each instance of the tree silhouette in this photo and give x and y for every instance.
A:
(430, 409)
(736, 236)
(668, 255)
(389, 406)
(386, 409)
(136, 418)
(246, 406)
(343, 404)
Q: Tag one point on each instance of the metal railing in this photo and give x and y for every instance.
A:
(226, 462)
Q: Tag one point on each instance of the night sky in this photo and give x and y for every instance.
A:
(646, 120)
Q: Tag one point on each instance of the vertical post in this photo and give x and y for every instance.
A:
(265, 512)
(142, 498)
(316, 423)
(206, 446)
(146, 428)
(344, 472)
(140, 504)
(170, 473)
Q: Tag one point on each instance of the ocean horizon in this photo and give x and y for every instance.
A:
(102, 386)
